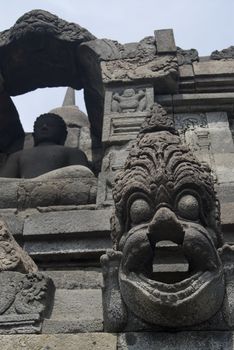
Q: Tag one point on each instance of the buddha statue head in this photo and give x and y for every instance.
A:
(49, 128)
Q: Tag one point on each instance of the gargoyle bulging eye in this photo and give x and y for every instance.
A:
(140, 211)
(188, 207)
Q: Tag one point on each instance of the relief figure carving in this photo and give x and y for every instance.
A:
(129, 101)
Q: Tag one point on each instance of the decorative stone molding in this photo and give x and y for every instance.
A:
(187, 56)
(223, 54)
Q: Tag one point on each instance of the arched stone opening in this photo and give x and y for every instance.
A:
(41, 50)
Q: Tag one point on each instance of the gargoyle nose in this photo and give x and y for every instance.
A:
(165, 227)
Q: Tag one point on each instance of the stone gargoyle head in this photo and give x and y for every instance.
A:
(163, 194)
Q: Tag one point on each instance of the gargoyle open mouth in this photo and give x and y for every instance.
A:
(191, 300)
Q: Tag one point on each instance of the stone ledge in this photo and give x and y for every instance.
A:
(97, 341)
(54, 250)
(70, 222)
(90, 278)
(197, 102)
(75, 311)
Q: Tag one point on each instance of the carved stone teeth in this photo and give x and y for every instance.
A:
(172, 298)
(185, 293)
(164, 298)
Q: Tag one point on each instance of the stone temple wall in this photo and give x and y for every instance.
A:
(66, 234)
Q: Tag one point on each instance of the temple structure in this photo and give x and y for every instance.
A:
(129, 245)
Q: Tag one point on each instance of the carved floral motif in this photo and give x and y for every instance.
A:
(23, 294)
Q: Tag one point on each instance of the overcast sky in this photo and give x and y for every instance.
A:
(206, 25)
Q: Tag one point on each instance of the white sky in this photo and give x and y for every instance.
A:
(206, 25)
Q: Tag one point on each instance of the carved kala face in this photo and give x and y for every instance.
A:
(164, 194)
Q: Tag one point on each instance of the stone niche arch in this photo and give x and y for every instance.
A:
(42, 50)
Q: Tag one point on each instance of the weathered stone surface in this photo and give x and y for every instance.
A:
(208, 68)
(9, 193)
(158, 70)
(89, 278)
(220, 134)
(165, 41)
(176, 341)
(25, 294)
(224, 164)
(14, 222)
(186, 57)
(225, 193)
(81, 308)
(59, 342)
(70, 222)
(44, 251)
(13, 257)
(197, 102)
(223, 54)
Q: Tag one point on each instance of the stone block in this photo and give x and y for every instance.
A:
(13, 222)
(165, 41)
(71, 326)
(176, 341)
(161, 70)
(227, 213)
(224, 165)
(59, 342)
(186, 71)
(81, 308)
(225, 192)
(89, 278)
(214, 75)
(213, 68)
(220, 134)
(46, 250)
(9, 193)
(80, 222)
(198, 102)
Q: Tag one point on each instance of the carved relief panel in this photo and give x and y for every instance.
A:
(125, 110)
(113, 162)
(194, 131)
